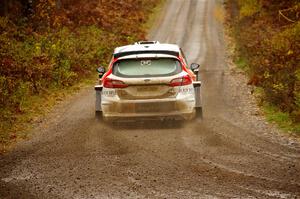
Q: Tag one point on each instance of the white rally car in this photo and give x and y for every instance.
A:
(148, 80)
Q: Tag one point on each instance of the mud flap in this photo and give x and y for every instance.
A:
(98, 109)
(99, 115)
(198, 105)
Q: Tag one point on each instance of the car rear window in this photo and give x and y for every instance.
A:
(147, 67)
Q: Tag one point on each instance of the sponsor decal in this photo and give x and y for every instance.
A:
(145, 62)
(109, 93)
(186, 90)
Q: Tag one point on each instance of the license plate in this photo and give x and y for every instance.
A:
(154, 107)
(146, 89)
(146, 108)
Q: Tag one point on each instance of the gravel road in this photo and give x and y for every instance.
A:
(231, 153)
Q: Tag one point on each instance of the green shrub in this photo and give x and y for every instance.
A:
(249, 7)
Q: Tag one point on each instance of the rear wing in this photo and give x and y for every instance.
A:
(167, 52)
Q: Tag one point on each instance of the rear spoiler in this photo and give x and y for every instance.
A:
(168, 52)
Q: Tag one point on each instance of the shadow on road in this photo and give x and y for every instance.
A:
(147, 124)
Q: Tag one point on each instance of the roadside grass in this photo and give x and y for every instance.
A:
(34, 109)
(272, 113)
(281, 119)
(242, 63)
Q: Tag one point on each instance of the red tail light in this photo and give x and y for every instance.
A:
(111, 83)
(182, 81)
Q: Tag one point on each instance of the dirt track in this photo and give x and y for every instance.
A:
(232, 153)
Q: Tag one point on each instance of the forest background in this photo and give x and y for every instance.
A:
(48, 46)
(267, 47)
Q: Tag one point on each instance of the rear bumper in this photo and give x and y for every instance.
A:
(156, 108)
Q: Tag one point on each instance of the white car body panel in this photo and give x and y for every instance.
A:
(148, 96)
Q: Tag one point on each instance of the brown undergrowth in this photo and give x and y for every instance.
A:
(267, 36)
(53, 47)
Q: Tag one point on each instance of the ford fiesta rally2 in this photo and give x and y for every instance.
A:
(148, 80)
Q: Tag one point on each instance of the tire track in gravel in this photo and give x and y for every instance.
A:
(229, 154)
(216, 108)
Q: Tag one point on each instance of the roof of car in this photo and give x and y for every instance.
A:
(147, 47)
(146, 55)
